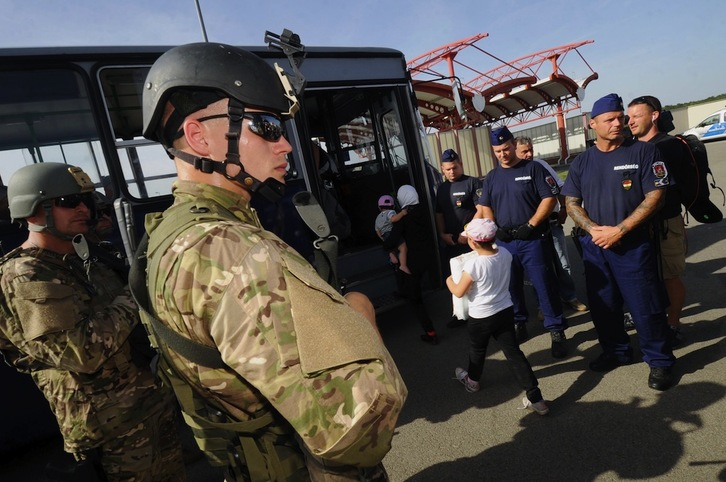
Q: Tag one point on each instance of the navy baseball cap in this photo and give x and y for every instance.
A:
(500, 136)
(609, 103)
(449, 155)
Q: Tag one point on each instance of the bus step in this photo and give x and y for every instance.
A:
(387, 302)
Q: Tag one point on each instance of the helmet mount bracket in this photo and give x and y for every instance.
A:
(290, 45)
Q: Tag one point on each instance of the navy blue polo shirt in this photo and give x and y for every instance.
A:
(612, 184)
(456, 200)
(515, 193)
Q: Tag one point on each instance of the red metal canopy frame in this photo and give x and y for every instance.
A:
(515, 91)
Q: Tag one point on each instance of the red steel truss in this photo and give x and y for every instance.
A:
(514, 93)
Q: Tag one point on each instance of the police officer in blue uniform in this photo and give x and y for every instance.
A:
(455, 203)
(455, 206)
(612, 191)
(520, 195)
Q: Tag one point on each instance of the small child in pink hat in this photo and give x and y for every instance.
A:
(485, 283)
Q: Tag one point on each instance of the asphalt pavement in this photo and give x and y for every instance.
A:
(601, 427)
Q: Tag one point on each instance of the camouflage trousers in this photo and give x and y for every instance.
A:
(322, 472)
(148, 452)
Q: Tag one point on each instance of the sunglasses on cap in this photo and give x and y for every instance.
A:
(645, 100)
(72, 201)
(266, 125)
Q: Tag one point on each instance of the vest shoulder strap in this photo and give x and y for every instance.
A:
(175, 221)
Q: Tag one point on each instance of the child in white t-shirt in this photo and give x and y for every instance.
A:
(485, 283)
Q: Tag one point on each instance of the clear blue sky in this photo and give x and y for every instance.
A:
(673, 50)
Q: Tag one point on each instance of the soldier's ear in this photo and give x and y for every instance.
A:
(195, 136)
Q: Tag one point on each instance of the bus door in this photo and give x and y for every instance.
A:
(367, 144)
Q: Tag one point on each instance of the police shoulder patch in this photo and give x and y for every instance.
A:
(659, 169)
(552, 184)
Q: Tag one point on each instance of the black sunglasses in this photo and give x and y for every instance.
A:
(72, 201)
(266, 125)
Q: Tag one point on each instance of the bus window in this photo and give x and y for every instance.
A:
(46, 116)
(357, 136)
(147, 170)
(394, 146)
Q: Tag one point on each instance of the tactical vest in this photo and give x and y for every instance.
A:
(254, 450)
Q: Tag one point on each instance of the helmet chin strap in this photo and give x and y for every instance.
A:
(49, 224)
(271, 189)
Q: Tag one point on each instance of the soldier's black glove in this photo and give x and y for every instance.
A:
(523, 231)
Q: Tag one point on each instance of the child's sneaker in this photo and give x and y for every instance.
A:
(463, 376)
(539, 407)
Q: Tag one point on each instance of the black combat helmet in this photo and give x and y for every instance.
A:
(208, 72)
(191, 77)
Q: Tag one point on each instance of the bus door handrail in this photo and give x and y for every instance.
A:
(125, 218)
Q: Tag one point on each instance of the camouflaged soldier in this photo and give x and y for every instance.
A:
(306, 387)
(66, 322)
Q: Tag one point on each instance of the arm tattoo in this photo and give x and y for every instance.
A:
(577, 213)
(650, 205)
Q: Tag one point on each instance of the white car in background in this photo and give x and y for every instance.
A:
(711, 128)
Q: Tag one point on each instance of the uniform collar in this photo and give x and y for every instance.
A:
(186, 191)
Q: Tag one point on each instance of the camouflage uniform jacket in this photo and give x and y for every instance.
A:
(69, 330)
(289, 340)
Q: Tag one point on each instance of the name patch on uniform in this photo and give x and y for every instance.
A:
(625, 166)
(523, 178)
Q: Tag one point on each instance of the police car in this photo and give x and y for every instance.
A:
(711, 128)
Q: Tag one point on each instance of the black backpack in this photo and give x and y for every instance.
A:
(695, 186)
